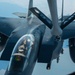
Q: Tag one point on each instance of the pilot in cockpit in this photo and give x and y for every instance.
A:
(26, 45)
(22, 48)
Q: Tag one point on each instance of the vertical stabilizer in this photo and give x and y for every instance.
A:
(30, 6)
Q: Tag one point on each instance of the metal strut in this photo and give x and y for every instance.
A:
(41, 16)
(67, 21)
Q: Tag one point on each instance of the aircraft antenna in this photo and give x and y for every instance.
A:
(30, 6)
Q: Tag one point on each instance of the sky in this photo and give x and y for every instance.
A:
(65, 65)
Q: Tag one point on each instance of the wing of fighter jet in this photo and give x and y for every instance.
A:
(7, 25)
(69, 31)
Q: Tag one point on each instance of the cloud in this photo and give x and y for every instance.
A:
(43, 5)
(21, 3)
(2, 72)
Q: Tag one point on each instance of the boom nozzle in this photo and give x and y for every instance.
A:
(48, 66)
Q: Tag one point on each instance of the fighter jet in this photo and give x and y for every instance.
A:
(26, 39)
